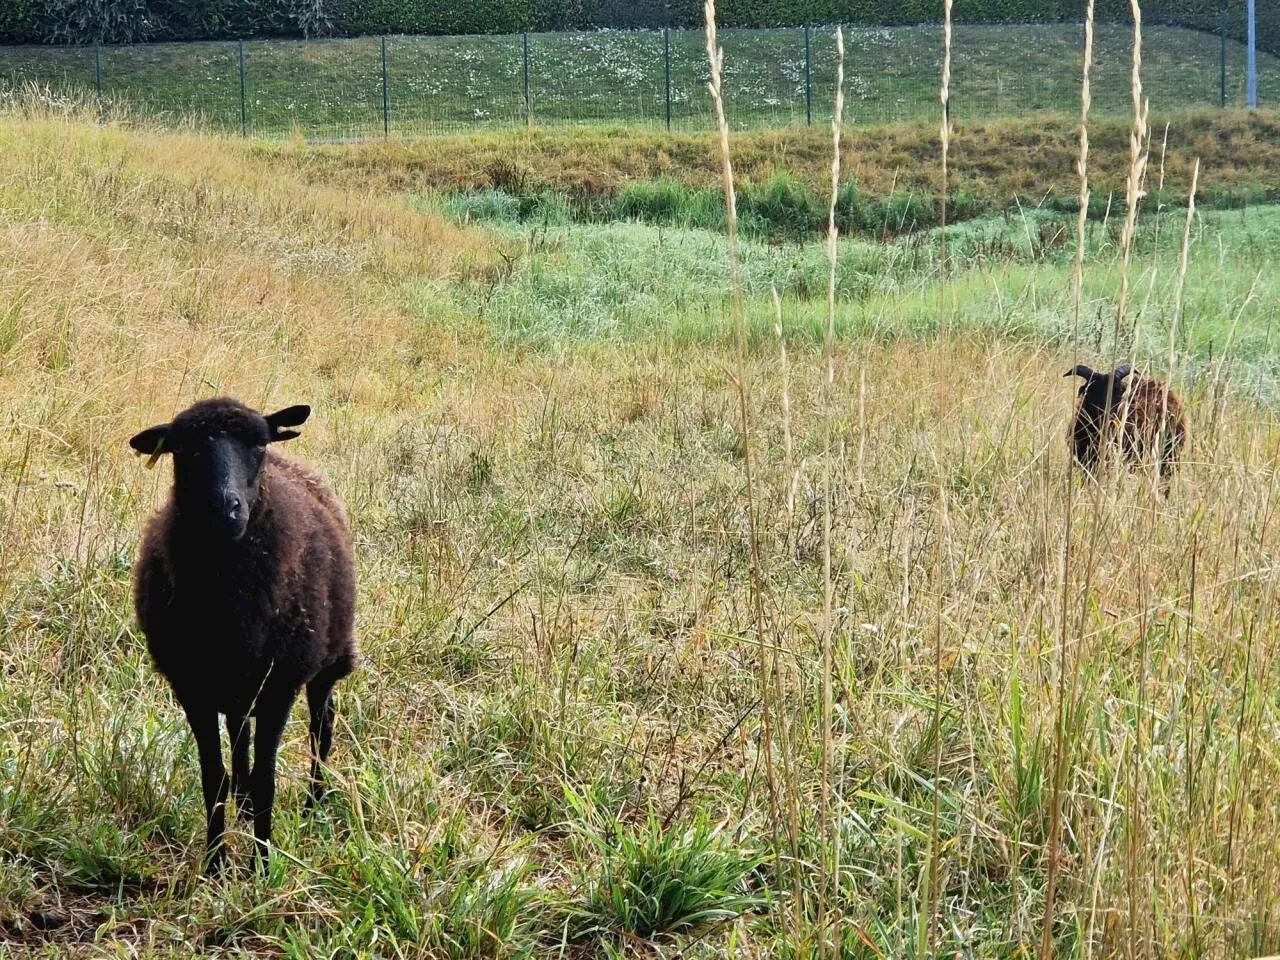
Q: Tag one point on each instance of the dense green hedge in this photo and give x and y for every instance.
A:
(434, 16)
(26, 21)
(20, 21)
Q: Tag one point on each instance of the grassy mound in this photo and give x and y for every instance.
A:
(891, 171)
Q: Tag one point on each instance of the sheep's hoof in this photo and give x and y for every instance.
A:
(47, 919)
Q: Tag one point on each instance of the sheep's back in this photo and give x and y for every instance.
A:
(1154, 400)
(1153, 412)
(281, 469)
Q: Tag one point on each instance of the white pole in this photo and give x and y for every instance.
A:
(1253, 57)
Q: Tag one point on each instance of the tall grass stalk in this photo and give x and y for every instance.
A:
(862, 425)
(1134, 782)
(934, 838)
(787, 447)
(1178, 300)
(831, 839)
(1188, 684)
(789, 780)
(715, 56)
(1133, 182)
(1059, 730)
(1164, 149)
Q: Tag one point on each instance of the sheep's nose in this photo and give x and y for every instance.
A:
(233, 506)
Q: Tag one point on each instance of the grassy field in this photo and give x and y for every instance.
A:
(1011, 279)
(575, 732)
(333, 88)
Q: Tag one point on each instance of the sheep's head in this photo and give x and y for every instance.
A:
(218, 449)
(1097, 387)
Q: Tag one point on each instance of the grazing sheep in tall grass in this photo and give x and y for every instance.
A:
(245, 589)
(1149, 414)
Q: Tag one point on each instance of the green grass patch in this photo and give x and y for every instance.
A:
(785, 209)
(655, 880)
(1008, 275)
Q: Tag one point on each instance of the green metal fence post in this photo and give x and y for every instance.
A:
(528, 113)
(808, 78)
(386, 104)
(666, 60)
(97, 69)
(1251, 55)
(244, 103)
(1222, 52)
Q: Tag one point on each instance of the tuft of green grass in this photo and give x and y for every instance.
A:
(653, 879)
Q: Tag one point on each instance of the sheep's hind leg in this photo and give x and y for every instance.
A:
(1167, 466)
(238, 734)
(271, 718)
(213, 781)
(320, 703)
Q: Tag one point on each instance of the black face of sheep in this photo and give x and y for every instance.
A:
(1100, 395)
(217, 461)
(244, 586)
(1099, 388)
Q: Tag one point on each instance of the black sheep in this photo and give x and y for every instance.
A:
(1148, 412)
(245, 589)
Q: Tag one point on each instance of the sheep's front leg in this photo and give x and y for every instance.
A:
(213, 780)
(271, 718)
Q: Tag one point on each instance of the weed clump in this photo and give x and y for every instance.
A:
(655, 880)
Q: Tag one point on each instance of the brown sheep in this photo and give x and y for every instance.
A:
(1153, 426)
(245, 589)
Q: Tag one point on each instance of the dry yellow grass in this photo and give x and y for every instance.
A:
(140, 270)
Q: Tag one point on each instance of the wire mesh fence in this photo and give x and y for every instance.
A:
(411, 85)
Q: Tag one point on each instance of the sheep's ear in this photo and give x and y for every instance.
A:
(281, 420)
(151, 442)
(1080, 370)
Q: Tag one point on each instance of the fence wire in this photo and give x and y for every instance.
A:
(409, 86)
